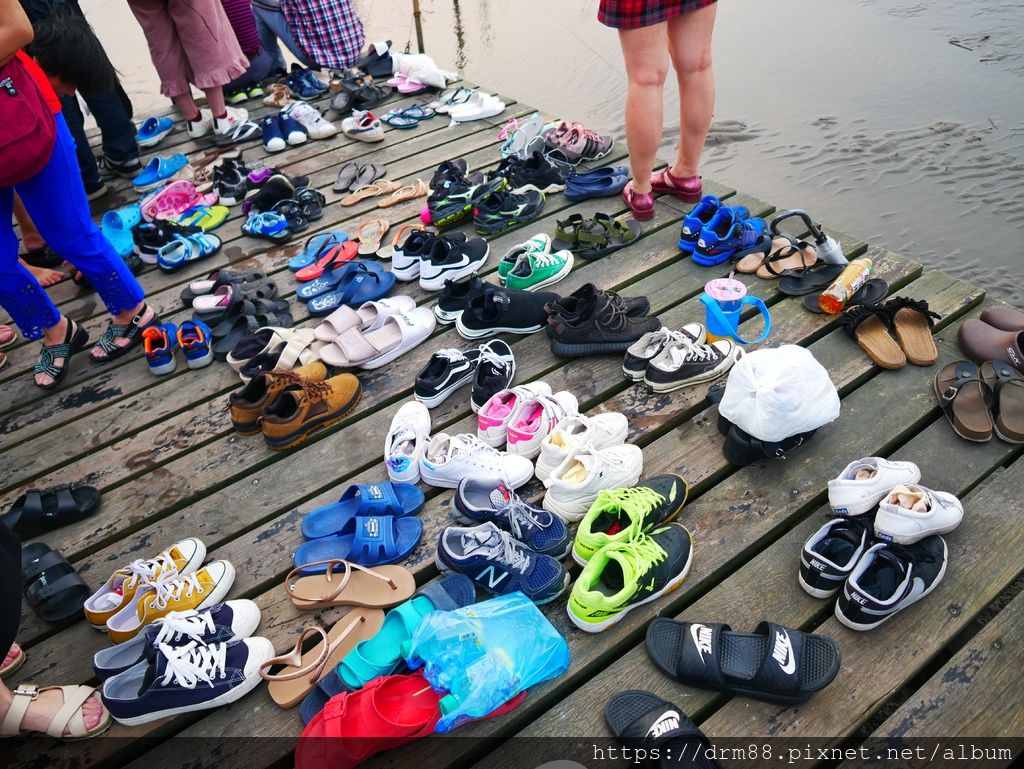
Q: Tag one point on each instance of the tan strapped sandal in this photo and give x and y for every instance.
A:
(301, 672)
(69, 717)
(381, 187)
(378, 588)
(418, 189)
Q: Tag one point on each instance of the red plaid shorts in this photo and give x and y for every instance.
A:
(631, 14)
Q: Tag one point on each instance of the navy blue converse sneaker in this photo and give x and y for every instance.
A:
(831, 553)
(478, 500)
(186, 678)
(228, 621)
(500, 564)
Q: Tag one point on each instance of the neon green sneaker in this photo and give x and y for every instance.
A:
(619, 515)
(540, 244)
(623, 575)
(537, 269)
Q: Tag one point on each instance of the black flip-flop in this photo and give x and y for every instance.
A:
(346, 176)
(873, 291)
(52, 586)
(642, 720)
(368, 174)
(774, 663)
(39, 511)
(816, 279)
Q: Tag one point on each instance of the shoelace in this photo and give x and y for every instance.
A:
(896, 551)
(147, 571)
(315, 391)
(451, 354)
(467, 443)
(616, 316)
(513, 554)
(489, 356)
(520, 517)
(189, 664)
(190, 623)
(686, 350)
(638, 499)
(172, 589)
(642, 553)
(663, 337)
(543, 258)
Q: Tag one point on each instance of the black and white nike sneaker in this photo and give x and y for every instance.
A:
(889, 578)
(407, 258)
(445, 372)
(535, 174)
(831, 553)
(502, 210)
(495, 371)
(683, 364)
(451, 259)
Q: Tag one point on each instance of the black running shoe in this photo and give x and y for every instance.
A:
(454, 199)
(535, 174)
(603, 325)
(456, 296)
(445, 372)
(684, 364)
(495, 371)
(502, 210)
(570, 307)
(230, 184)
(504, 312)
(449, 169)
(889, 578)
(831, 553)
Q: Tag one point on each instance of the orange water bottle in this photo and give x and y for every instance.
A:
(835, 297)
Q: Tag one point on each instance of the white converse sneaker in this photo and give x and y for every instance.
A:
(201, 127)
(864, 483)
(406, 441)
(910, 513)
(574, 484)
(450, 458)
(599, 431)
(535, 417)
(492, 420)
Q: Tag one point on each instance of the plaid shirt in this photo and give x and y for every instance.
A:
(328, 30)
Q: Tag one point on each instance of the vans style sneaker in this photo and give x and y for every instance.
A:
(889, 578)
(684, 364)
(406, 442)
(910, 513)
(186, 679)
(534, 418)
(574, 485)
(866, 482)
(450, 458)
(479, 500)
(119, 591)
(651, 344)
(493, 418)
(495, 371)
(831, 553)
(446, 371)
(598, 431)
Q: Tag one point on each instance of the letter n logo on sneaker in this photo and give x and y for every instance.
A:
(666, 722)
(492, 577)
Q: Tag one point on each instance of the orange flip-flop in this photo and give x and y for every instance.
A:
(370, 234)
(336, 254)
(386, 252)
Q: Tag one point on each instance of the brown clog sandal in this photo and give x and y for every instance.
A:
(370, 234)
(301, 672)
(1007, 385)
(68, 717)
(418, 189)
(378, 588)
(869, 326)
(966, 400)
(382, 187)
(798, 256)
(912, 322)
(750, 263)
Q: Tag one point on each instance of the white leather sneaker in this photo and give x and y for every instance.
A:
(864, 483)
(406, 441)
(450, 458)
(599, 431)
(534, 418)
(910, 513)
(573, 485)
(492, 420)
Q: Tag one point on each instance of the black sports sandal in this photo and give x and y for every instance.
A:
(642, 720)
(132, 331)
(604, 235)
(76, 339)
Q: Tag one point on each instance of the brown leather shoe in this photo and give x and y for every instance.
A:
(981, 342)
(246, 405)
(1004, 318)
(296, 413)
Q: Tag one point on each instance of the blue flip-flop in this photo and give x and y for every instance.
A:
(599, 187)
(316, 247)
(117, 228)
(329, 281)
(356, 288)
(153, 129)
(375, 540)
(396, 499)
(158, 170)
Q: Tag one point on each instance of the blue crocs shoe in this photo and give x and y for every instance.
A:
(195, 339)
(159, 170)
(153, 130)
(729, 236)
(159, 344)
(117, 226)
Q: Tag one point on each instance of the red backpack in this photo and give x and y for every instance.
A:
(27, 126)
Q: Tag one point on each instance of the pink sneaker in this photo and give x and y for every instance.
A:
(688, 190)
(642, 205)
(534, 418)
(493, 419)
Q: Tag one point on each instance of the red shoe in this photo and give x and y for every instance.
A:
(335, 256)
(688, 190)
(641, 204)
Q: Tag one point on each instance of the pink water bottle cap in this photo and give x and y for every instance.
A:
(725, 290)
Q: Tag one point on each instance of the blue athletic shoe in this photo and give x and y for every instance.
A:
(292, 130)
(729, 236)
(160, 343)
(491, 499)
(152, 130)
(195, 339)
(500, 564)
(694, 222)
(299, 83)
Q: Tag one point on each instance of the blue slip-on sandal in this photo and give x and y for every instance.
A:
(330, 281)
(153, 129)
(375, 540)
(396, 499)
(599, 173)
(316, 246)
(599, 187)
(187, 248)
(117, 228)
(158, 170)
(356, 288)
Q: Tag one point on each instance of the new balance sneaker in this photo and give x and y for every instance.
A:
(479, 500)
(540, 243)
(456, 296)
(619, 515)
(603, 325)
(574, 485)
(539, 269)
(186, 679)
(493, 417)
(685, 364)
(450, 259)
(504, 312)
(454, 198)
(450, 458)
(406, 441)
(534, 418)
(228, 621)
(910, 513)
(500, 564)
(865, 482)
(599, 431)
(535, 174)
(650, 345)
(622, 576)
(889, 578)
(496, 368)
(445, 372)
(830, 554)
(502, 210)
(580, 144)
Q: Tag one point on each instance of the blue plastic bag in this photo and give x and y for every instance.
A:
(485, 654)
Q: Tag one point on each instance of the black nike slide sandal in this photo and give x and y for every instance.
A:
(774, 663)
(644, 722)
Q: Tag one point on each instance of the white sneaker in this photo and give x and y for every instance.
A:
(450, 458)
(234, 127)
(406, 442)
(202, 127)
(599, 431)
(864, 483)
(573, 485)
(492, 420)
(309, 117)
(534, 418)
(910, 513)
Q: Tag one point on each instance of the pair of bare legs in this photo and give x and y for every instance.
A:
(33, 241)
(214, 100)
(686, 41)
(42, 709)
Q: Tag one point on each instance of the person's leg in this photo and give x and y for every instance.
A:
(166, 51)
(86, 161)
(116, 127)
(276, 22)
(689, 40)
(259, 67)
(268, 41)
(34, 243)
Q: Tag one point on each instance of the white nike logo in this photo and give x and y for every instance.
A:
(702, 639)
(666, 722)
(783, 653)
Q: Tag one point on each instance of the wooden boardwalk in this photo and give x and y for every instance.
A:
(163, 453)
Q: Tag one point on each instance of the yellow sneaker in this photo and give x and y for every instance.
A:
(119, 591)
(205, 587)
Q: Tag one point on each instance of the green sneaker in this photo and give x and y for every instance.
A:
(619, 515)
(536, 270)
(255, 91)
(236, 96)
(537, 244)
(624, 575)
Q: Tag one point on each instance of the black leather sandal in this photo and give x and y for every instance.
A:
(52, 586)
(39, 511)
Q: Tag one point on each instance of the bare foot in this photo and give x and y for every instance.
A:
(124, 319)
(12, 654)
(51, 336)
(46, 277)
(44, 707)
